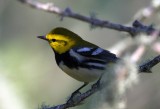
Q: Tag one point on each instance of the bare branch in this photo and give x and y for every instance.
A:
(146, 67)
(81, 98)
(50, 7)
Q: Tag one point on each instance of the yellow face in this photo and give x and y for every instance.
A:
(60, 43)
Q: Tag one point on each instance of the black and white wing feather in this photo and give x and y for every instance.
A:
(96, 53)
(94, 58)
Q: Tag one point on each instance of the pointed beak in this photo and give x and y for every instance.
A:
(42, 37)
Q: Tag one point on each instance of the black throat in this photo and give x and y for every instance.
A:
(68, 60)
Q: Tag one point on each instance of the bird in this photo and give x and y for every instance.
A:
(80, 59)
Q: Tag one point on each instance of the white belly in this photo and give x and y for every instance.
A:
(82, 74)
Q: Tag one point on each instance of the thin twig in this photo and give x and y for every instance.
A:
(146, 67)
(81, 98)
(50, 7)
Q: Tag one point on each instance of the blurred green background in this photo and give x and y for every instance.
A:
(28, 73)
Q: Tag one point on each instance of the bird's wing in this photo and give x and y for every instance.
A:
(96, 53)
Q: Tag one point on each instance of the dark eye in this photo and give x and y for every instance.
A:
(53, 40)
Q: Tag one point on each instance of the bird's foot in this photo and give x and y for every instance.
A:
(73, 96)
(96, 85)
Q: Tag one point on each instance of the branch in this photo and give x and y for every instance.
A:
(145, 67)
(136, 28)
(81, 98)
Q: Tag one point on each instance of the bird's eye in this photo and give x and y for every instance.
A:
(53, 40)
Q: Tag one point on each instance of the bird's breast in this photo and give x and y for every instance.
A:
(81, 74)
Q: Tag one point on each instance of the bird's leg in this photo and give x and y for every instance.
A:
(77, 91)
(97, 84)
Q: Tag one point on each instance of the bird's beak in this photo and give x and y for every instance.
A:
(42, 37)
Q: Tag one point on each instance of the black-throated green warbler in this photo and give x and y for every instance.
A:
(78, 58)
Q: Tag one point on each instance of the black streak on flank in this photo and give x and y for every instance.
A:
(72, 62)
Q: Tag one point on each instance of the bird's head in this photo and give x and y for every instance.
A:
(61, 39)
